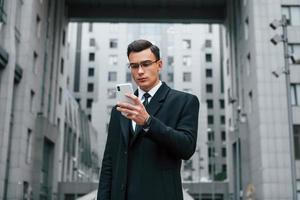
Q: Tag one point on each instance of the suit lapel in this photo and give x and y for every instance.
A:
(154, 106)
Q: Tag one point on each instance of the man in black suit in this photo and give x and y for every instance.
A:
(148, 139)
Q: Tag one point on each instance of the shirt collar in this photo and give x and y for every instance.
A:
(151, 92)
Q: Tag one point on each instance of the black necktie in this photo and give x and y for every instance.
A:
(146, 96)
(145, 103)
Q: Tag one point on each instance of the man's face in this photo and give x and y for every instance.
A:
(146, 75)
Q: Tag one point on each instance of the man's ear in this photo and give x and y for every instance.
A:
(160, 65)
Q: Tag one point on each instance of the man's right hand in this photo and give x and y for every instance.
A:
(136, 111)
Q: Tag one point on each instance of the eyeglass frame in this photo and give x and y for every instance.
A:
(142, 64)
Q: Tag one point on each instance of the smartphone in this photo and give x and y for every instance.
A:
(122, 89)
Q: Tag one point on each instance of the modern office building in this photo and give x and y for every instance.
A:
(31, 97)
(198, 69)
(260, 145)
(44, 137)
(84, 65)
(100, 63)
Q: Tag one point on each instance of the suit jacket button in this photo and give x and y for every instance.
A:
(123, 187)
(125, 152)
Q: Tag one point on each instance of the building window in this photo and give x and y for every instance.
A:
(89, 103)
(186, 44)
(2, 13)
(113, 59)
(250, 101)
(90, 27)
(210, 119)
(210, 169)
(111, 93)
(223, 152)
(210, 28)
(112, 76)
(209, 88)
(208, 43)
(73, 145)
(91, 71)
(210, 103)
(246, 28)
(78, 100)
(68, 81)
(211, 151)
(35, 63)
(186, 60)
(222, 119)
(32, 94)
(223, 136)
(92, 42)
(26, 193)
(90, 87)
(170, 77)
(58, 122)
(208, 73)
(227, 67)
(28, 146)
(187, 76)
(295, 94)
(224, 168)
(294, 49)
(128, 77)
(62, 63)
(64, 38)
(170, 60)
(38, 26)
(222, 103)
(211, 136)
(229, 96)
(296, 129)
(91, 56)
(113, 43)
(89, 117)
(208, 57)
(18, 18)
(60, 96)
(248, 64)
(292, 14)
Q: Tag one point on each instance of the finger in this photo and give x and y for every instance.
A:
(137, 108)
(129, 116)
(129, 112)
(134, 98)
(126, 105)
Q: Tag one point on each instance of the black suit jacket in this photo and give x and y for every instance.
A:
(147, 166)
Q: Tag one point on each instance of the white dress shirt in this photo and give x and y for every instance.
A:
(142, 98)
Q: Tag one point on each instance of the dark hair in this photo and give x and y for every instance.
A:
(140, 45)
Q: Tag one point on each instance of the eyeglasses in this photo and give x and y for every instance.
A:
(146, 63)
